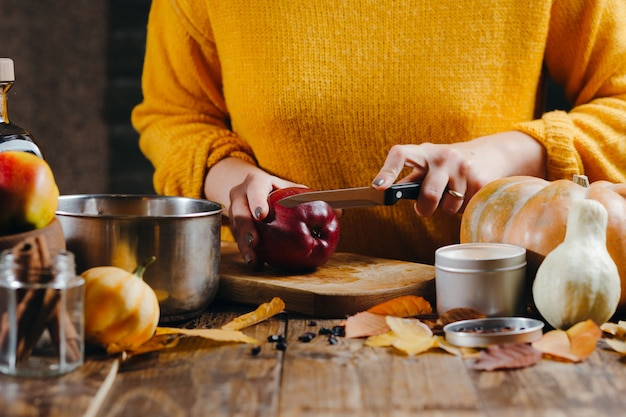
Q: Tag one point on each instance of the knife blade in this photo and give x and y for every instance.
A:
(356, 197)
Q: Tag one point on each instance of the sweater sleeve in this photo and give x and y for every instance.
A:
(586, 54)
(183, 121)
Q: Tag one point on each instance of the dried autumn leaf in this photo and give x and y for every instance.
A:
(617, 345)
(507, 356)
(618, 330)
(156, 343)
(217, 335)
(264, 311)
(464, 352)
(415, 344)
(556, 344)
(412, 336)
(458, 314)
(408, 327)
(409, 336)
(584, 338)
(381, 340)
(403, 306)
(365, 324)
(451, 316)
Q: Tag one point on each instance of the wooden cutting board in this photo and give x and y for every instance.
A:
(347, 284)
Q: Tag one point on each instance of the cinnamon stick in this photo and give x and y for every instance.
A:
(61, 327)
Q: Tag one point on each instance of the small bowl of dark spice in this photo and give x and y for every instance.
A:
(492, 331)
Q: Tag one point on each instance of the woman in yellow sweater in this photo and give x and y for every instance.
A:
(245, 96)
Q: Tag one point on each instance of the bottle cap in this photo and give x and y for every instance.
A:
(7, 72)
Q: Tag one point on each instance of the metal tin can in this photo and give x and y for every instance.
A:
(488, 277)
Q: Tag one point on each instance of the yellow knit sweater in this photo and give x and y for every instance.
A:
(318, 91)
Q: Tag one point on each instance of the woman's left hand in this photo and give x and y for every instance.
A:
(452, 173)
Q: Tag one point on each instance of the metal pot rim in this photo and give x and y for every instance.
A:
(209, 208)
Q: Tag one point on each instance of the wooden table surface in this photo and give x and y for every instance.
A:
(315, 379)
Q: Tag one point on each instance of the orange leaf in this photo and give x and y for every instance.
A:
(403, 306)
(365, 324)
(264, 311)
(583, 338)
(556, 343)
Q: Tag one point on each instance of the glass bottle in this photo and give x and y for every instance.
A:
(12, 137)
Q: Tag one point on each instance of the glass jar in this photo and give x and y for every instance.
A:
(41, 317)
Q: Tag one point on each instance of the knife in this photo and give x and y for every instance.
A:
(356, 197)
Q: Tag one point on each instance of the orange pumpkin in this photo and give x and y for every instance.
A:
(532, 213)
(121, 309)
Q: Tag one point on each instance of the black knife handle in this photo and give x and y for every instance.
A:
(405, 190)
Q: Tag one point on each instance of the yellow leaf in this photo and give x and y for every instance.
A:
(381, 340)
(415, 344)
(218, 335)
(412, 336)
(617, 345)
(618, 330)
(464, 352)
(408, 327)
(403, 306)
(264, 311)
(156, 343)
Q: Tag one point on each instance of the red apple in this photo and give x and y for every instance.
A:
(299, 238)
(29, 195)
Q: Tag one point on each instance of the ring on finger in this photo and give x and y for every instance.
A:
(456, 194)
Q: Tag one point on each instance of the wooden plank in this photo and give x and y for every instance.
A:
(201, 379)
(347, 284)
(350, 379)
(594, 387)
(79, 393)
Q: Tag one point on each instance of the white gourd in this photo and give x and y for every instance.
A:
(579, 280)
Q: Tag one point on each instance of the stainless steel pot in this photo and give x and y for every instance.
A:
(126, 230)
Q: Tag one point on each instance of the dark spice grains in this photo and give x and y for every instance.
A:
(306, 337)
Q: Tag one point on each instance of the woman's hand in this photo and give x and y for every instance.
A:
(243, 189)
(452, 173)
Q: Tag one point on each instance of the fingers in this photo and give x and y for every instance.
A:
(442, 169)
(399, 157)
(248, 201)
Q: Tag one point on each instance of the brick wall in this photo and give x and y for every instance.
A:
(59, 50)
(129, 171)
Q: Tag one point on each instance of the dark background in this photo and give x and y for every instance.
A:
(78, 76)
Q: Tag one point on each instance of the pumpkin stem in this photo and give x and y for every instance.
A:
(581, 180)
(138, 272)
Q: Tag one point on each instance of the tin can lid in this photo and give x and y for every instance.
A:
(480, 256)
(493, 331)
